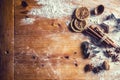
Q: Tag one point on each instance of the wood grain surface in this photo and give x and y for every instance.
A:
(38, 56)
(47, 49)
(44, 50)
(6, 39)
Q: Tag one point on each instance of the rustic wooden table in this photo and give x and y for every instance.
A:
(45, 49)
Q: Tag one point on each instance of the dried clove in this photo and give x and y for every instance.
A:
(115, 58)
(88, 68)
(108, 53)
(117, 50)
(104, 66)
(100, 67)
(96, 70)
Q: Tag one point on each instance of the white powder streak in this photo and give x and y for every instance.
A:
(53, 8)
(27, 21)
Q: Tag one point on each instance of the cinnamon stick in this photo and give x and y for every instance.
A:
(97, 33)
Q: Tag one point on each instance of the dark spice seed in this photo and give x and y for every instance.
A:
(88, 68)
(76, 64)
(67, 57)
(108, 53)
(117, 50)
(42, 65)
(75, 52)
(100, 67)
(33, 57)
(115, 58)
(96, 70)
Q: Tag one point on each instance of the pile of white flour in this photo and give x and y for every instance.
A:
(53, 8)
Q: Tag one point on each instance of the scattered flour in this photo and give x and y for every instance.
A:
(114, 34)
(62, 8)
(27, 21)
(53, 8)
(114, 71)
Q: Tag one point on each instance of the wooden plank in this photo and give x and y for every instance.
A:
(41, 48)
(7, 40)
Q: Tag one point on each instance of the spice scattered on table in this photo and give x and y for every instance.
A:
(109, 48)
(88, 67)
(67, 57)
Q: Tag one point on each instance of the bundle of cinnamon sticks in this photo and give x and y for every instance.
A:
(97, 33)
